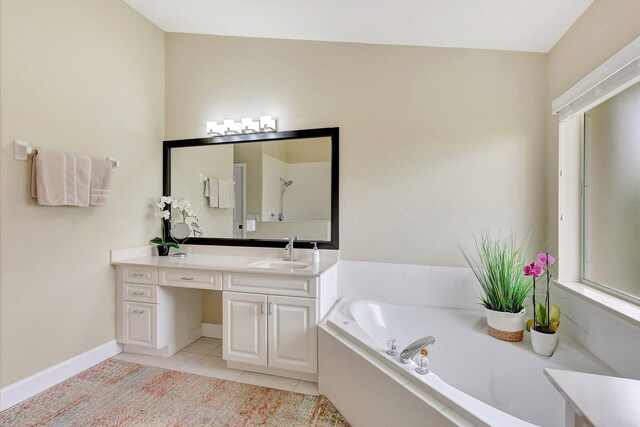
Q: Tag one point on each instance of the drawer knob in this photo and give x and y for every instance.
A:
(187, 278)
(137, 293)
(138, 311)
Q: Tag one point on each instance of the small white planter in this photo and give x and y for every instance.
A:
(544, 344)
(505, 326)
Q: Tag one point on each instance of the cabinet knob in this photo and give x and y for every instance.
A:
(270, 308)
(262, 308)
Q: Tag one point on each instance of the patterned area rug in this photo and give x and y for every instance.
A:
(117, 393)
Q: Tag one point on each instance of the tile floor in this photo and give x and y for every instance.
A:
(204, 357)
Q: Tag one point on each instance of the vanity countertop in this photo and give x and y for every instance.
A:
(223, 263)
(602, 400)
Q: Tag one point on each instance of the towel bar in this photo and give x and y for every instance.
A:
(21, 151)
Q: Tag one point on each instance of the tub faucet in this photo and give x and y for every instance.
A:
(289, 248)
(412, 349)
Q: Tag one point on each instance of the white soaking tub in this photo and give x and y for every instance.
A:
(481, 379)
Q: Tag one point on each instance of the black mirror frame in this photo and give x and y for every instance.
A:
(333, 133)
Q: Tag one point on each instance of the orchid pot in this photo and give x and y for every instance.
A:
(544, 343)
(546, 316)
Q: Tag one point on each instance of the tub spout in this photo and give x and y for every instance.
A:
(412, 349)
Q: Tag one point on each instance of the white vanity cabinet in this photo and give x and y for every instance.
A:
(140, 324)
(269, 318)
(137, 307)
(244, 333)
(293, 333)
(270, 330)
(156, 313)
(270, 321)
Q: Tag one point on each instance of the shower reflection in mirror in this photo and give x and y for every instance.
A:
(284, 184)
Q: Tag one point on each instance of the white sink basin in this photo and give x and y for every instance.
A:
(280, 264)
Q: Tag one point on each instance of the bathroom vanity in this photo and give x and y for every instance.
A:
(271, 308)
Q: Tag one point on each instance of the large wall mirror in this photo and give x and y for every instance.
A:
(258, 189)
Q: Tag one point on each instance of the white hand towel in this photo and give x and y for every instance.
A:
(211, 191)
(226, 194)
(60, 179)
(100, 182)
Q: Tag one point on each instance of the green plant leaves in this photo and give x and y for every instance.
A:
(529, 324)
(498, 268)
(541, 314)
(554, 316)
(554, 313)
(160, 242)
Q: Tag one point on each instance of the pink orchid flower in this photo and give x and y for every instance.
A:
(545, 260)
(532, 270)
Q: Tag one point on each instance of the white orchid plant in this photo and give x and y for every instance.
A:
(162, 210)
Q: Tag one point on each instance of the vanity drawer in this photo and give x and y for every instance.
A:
(139, 293)
(143, 275)
(198, 279)
(295, 286)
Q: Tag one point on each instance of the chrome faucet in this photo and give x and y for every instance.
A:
(290, 249)
(412, 349)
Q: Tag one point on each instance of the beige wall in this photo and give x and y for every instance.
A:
(313, 151)
(212, 307)
(435, 143)
(84, 77)
(603, 29)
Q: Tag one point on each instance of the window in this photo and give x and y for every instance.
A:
(611, 193)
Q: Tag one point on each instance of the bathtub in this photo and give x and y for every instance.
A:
(474, 379)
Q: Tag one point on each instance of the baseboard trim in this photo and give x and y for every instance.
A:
(22, 390)
(212, 330)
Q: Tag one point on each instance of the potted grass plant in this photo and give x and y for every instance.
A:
(544, 325)
(498, 267)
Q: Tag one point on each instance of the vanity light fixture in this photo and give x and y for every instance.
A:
(213, 129)
(268, 124)
(249, 125)
(231, 127)
(244, 126)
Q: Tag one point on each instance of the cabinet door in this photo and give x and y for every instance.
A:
(293, 336)
(140, 324)
(244, 331)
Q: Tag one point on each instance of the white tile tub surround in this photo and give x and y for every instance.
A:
(612, 339)
(598, 330)
(409, 284)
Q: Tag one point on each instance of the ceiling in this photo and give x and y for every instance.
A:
(520, 25)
